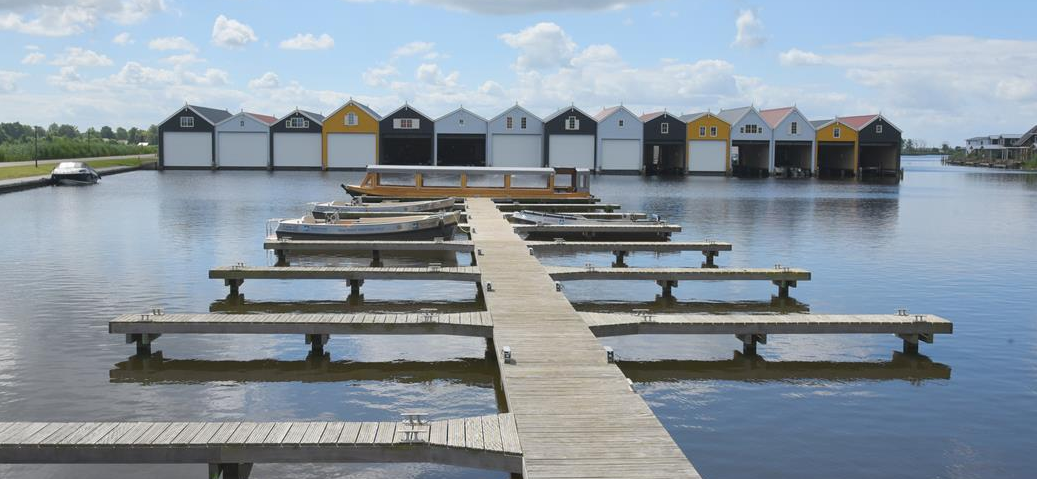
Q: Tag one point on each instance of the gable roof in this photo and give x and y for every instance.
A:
(264, 119)
(734, 115)
(818, 124)
(607, 112)
(359, 105)
(562, 111)
(860, 121)
(515, 107)
(317, 117)
(211, 115)
(405, 105)
(774, 116)
(1026, 136)
(470, 112)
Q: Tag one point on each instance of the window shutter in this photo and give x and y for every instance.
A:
(396, 123)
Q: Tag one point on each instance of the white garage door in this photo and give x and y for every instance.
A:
(571, 151)
(707, 156)
(187, 149)
(351, 150)
(297, 150)
(517, 151)
(243, 150)
(620, 155)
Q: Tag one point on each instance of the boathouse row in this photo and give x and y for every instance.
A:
(741, 141)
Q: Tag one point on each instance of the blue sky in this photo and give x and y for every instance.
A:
(942, 71)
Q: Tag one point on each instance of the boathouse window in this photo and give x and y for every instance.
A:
(522, 123)
(794, 128)
(241, 123)
(712, 131)
(297, 122)
(572, 123)
(187, 122)
(621, 123)
(460, 121)
(836, 132)
(352, 119)
(406, 123)
(510, 123)
(878, 128)
(702, 131)
(664, 128)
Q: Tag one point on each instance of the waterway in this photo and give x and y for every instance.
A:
(957, 242)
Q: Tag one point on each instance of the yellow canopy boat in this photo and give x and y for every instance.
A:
(473, 182)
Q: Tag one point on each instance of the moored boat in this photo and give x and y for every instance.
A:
(544, 218)
(345, 208)
(474, 182)
(417, 227)
(74, 173)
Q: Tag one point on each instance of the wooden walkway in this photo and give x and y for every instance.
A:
(143, 329)
(233, 276)
(709, 249)
(754, 328)
(558, 207)
(576, 415)
(668, 278)
(487, 442)
(339, 245)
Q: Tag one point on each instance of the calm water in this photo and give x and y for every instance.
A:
(948, 241)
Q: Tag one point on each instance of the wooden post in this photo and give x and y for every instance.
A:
(354, 286)
(709, 259)
(620, 256)
(317, 342)
(235, 285)
(376, 258)
(282, 257)
(230, 470)
(143, 342)
(667, 286)
(749, 342)
(783, 287)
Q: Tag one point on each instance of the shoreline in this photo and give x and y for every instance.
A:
(20, 184)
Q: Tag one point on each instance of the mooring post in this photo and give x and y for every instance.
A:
(620, 257)
(710, 255)
(749, 342)
(911, 341)
(354, 286)
(376, 259)
(317, 342)
(783, 287)
(231, 470)
(143, 342)
(235, 285)
(667, 286)
(282, 257)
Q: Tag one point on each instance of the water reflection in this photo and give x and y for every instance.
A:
(156, 369)
(740, 367)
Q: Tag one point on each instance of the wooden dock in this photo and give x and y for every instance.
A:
(668, 278)
(234, 276)
(621, 249)
(143, 329)
(230, 448)
(592, 231)
(281, 247)
(558, 207)
(575, 413)
(752, 329)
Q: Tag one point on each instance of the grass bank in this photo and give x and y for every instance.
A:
(55, 148)
(10, 172)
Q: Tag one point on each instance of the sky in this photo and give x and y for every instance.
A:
(940, 71)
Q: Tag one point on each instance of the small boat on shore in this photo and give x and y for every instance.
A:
(74, 173)
(544, 218)
(345, 208)
(414, 227)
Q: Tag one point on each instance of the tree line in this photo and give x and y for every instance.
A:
(20, 142)
(921, 147)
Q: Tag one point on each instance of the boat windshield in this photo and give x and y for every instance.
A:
(70, 164)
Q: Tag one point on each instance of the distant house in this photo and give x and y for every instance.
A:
(793, 142)
(570, 140)
(405, 137)
(351, 137)
(243, 141)
(460, 139)
(187, 139)
(297, 141)
(1028, 139)
(515, 138)
(709, 144)
(836, 148)
(750, 140)
(619, 140)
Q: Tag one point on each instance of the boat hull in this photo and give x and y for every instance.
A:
(321, 210)
(76, 179)
(446, 232)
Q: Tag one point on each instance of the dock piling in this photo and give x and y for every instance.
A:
(143, 342)
(317, 342)
(230, 470)
(749, 342)
(911, 341)
(354, 287)
(235, 285)
(620, 259)
(783, 287)
(710, 256)
(667, 286)
(282, 257)
(376, 258)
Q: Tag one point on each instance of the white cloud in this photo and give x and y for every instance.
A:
(33, 58)
(748, 30)
(379, 75)
(75, 56)
(172, 43)
(267, 81)
(230, 33)
(8, 81)
(796, 57)
(308, 42)
(543, 45)
(413, 48)
(431, 73)
(57, 18)
(183, 59)
(123, 38)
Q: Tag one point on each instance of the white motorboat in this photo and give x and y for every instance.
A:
(74, 173)
(542, 218)
(416, 227)
(345, 208)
